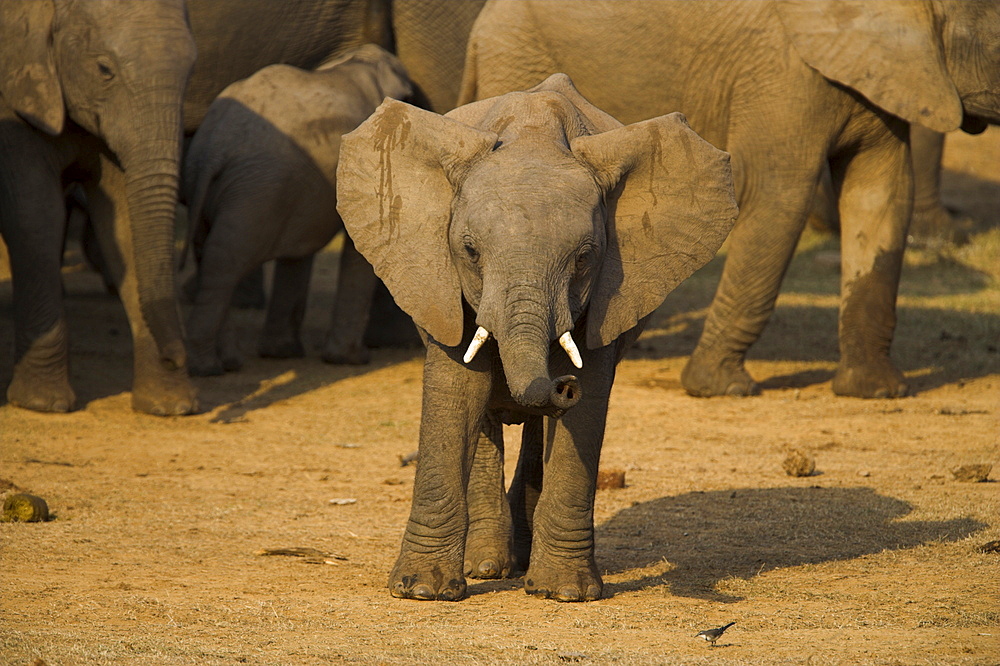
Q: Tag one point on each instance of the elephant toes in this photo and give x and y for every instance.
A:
(566, 583)
(163, 405)
(415, 586)
(40, 396)
(703, 378)
(488, 553)
(870, 380)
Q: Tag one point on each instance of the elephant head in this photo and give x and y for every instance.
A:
(118, 70)
(546, 215)
(931, 62)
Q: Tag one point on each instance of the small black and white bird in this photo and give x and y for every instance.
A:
(712, 635)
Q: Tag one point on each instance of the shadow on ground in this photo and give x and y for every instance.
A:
(711, 536)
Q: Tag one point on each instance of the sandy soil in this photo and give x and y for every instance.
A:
(152, 555)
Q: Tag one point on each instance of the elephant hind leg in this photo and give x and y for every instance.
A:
(876, 203)
(525, 488)
(488, 542)
(281, 337)
(773, 212)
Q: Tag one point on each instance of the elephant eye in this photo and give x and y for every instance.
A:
(105, 70)
(583, 259)
(471, 251)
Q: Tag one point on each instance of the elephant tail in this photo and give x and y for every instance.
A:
(202, 168)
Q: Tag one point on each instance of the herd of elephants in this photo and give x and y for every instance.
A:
(528, 178)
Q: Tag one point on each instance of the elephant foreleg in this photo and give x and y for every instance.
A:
(875, 206)
(562, 564)
(351, 309)
(33, 220)
(431, 558)
(488, 545)
(158, 388)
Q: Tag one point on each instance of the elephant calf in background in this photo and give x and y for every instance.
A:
(509, 228)
(261, 178)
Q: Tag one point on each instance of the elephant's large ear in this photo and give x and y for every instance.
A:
(670, 203)
(28, 79)
(889, 52)
(395, 184)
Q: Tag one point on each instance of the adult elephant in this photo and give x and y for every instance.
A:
(786, 87)
(93, 92)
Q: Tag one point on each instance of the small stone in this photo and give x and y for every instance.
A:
(864, 473)
(798, 463)
(972, 473)
(24, 508)
(610, 478)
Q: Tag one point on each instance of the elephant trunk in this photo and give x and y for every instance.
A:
(524, 339)
(150, 155)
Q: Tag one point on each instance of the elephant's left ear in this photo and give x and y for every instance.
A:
(28, 79)
(890, 52)
(670, 204)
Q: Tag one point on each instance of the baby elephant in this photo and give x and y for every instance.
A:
(260, 176)
(529, 236)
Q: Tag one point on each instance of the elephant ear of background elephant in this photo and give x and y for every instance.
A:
(28, 80)
(887, 51)
(394, 183)
(670, 206)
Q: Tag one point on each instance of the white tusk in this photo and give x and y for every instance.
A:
(477, 341)
(566, 342)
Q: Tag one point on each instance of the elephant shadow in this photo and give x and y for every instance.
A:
(708, 537)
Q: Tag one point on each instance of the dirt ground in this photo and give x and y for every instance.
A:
(152, 555)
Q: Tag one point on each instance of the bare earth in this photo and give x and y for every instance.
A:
(152, 555)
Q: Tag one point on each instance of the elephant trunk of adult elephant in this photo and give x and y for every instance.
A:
(150, 152)
(524, 339)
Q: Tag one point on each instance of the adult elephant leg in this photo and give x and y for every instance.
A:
(931, 221)
(562, 565)
(525, 488)
(352, 306)
(875, 206)
(431, 558)
(160, 386)
(32, 220)
(774, 203)
(281, 337)
(487, 545)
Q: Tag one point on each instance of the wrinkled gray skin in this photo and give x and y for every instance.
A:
(787, 87)
(529, 215)
(260, 176)
(931, 222)
(84, 99)
(88, 94)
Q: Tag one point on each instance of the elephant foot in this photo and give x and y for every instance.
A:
(41, 378)
(40, 393)
(280, 347)
(935, 224)
(211, 367)
(564, 580)
(873, 379)
(426, 578)
(487, 552)
(346, 354)
(161, 386)
(705, 377)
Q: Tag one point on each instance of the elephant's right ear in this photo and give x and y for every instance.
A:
(28, 79)
(395, 184)
(890, 52)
